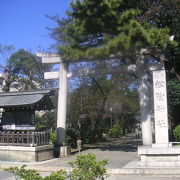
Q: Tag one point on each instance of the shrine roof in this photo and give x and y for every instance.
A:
(39, 100)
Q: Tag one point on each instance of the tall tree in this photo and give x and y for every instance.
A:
(89, 106)
(5, 53)
(107, 29)
(24, 71)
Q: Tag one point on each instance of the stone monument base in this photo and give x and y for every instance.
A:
(26, 154)
(62, 151)
(65, 151)
(157, 156)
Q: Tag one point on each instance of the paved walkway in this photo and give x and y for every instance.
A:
(119, 152)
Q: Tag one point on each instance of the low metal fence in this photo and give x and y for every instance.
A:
(24, 138)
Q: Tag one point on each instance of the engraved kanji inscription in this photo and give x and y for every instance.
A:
(160, 108)
(160, 96)
(161, 123)
(159, 84)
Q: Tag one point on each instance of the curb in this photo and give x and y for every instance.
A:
(144, 171)
(110, 171)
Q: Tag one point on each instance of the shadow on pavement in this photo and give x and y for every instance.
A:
(126, 144)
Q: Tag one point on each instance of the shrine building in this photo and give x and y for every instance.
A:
(19, 140)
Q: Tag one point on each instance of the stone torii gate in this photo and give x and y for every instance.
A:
(140, 68)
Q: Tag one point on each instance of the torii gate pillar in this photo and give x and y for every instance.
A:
(62, 103)
(144, 101)
(53, 58)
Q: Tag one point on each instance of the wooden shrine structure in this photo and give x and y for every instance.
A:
(18, 134)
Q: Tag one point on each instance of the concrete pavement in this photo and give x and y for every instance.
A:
(119, 152)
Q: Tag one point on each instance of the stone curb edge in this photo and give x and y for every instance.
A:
(110, 171)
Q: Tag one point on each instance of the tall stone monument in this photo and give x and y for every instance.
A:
(160, 108)
(162, 153)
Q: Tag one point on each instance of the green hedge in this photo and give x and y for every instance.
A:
(176, 133)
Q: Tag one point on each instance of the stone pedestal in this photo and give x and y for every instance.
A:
(26, 154)
(65, 151)
(168, 156)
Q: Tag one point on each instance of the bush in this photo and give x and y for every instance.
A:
(46, 121)
(72, 135)
(24, 173)
(116, 131)
(59, 175)
(86, 167)
(176, 133)
(53, 137)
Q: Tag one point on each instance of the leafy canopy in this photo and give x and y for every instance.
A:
(106, 28)
(26, 69)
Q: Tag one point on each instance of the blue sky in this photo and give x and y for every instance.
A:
(23, 23)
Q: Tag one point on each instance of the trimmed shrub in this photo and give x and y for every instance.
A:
(116, 131)
(86, 167)
(53, 137)
(72, 135)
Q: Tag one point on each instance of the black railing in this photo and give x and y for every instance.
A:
(24, 138)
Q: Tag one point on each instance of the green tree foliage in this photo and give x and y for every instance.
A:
(161, 14)
(72, 135)
(31, 174)
(5, 52)
(174, 91)
(107, 28)
(27, 69)
(176, 133)
(46, 121)
(24, 173)
(89, 106)
(119, 29)
(23, 71)
(174, 100)
(59, 175)
(116, 131)
(87, 167)
(53, 137)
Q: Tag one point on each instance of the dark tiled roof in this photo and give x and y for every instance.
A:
(24, 99)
